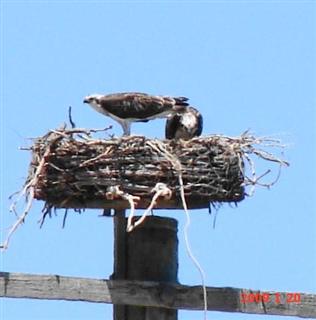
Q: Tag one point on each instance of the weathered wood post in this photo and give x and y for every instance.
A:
(149, 252)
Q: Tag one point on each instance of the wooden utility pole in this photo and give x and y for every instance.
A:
(149, 253)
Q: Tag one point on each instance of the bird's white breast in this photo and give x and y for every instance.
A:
(188, 120)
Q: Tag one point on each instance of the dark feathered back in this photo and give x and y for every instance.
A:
(139, 105)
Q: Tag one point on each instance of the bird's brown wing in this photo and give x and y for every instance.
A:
(200, 125)
(172, 126)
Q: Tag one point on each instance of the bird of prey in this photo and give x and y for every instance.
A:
(130, 107)
(185, 125)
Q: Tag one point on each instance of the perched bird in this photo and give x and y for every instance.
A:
(135, 107)
(185, 125)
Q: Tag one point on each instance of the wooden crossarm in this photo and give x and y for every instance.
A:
(153, 294)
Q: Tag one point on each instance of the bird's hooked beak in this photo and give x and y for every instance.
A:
(86, 100)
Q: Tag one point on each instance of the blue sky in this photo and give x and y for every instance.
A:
(243, 64)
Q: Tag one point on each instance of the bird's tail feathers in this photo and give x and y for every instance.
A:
(181, 101)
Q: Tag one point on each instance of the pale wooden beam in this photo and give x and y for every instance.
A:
(152, 294)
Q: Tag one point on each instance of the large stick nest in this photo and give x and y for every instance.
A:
(71, 168)
(74, 170)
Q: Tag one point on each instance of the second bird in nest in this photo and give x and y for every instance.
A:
(185, 125)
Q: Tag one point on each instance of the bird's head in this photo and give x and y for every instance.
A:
(96, 101)
(93, 99)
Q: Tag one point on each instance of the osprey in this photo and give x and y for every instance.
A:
(185, 125)
(135, 107)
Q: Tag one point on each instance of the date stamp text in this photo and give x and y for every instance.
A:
(266, 297)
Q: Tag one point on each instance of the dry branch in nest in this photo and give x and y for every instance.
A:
(72, 169)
